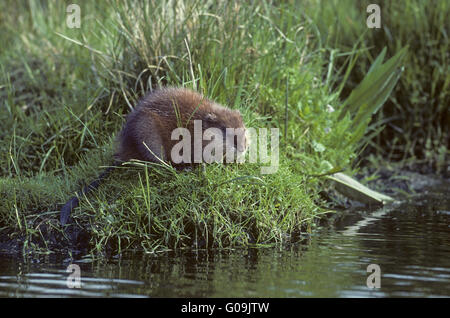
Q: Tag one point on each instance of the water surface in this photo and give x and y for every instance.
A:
(410, 242)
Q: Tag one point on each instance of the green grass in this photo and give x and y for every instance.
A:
(65, 93)
(416, 115)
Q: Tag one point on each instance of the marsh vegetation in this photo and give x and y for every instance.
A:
(64, 94)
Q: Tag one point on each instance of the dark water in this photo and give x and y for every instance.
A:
(410, 242)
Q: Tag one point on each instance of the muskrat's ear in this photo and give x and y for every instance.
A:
(211, 117)
(210, 120)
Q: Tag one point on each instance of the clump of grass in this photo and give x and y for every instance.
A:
(261, 58)
(210, 208)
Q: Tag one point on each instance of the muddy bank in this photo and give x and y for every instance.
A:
(72, 240)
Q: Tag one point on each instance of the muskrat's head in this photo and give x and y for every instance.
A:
(228, 125)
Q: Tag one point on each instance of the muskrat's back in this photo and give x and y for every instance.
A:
(149, 126)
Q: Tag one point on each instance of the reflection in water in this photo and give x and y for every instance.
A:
(410, 242)
(46, 282)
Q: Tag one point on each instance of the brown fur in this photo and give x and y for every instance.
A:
(163, 110)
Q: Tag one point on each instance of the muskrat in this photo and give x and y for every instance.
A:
(148, 133)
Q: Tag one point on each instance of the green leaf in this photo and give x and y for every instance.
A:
(318, 147)
(356, 191)
(376, 83)
(377, 61)
(377, 100)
